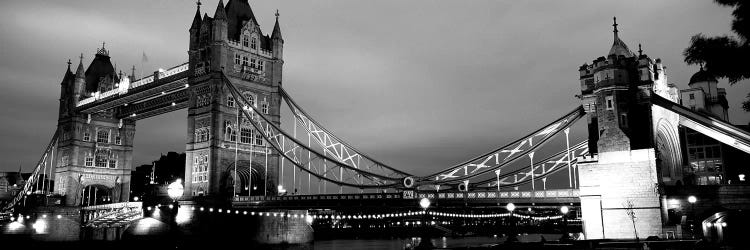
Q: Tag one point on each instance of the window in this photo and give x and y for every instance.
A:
(261, 65)
(236, 58)
(102, 136)
(692, 96)
(201, 134)
(244, 41)
(86, 136)
(610, 102)
(102, 158)
(252, 63)
(251, 99)
(258, 139)
(264, 107)
(89, 161)
(231, 134)
(254, 43)
(118, 140)
(230, 101)
(244, 60)
(624, 120)
(246, 135)
(112, 163)
(200, 168)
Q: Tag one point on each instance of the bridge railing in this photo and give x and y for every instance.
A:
(111, 213)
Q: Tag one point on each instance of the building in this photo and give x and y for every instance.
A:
(704, 156)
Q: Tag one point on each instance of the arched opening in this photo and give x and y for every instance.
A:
(249, 181)
(668, 144)
(96, 194)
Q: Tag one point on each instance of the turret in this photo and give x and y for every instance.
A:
(195, 28)
(79, 82)
(277, 40)
(220, 23)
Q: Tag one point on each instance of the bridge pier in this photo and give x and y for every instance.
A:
(614, 184)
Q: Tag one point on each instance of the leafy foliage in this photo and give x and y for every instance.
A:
(726, 56)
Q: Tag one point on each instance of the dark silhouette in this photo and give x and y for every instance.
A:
(725, 56)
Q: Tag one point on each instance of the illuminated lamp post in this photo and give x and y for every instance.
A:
(175, 191)
(564, 210)
(511, 233)
(425, 242)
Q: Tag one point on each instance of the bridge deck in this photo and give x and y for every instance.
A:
(410, 199)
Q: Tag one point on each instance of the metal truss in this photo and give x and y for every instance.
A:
(496, 159)
(304, 157)
(542, 169)
(41, 168)
(336, 147)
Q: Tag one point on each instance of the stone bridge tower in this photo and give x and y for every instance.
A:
(634, 146)
(231, 42)
(94, 151)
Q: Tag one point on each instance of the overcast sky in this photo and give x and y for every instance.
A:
(416, 84)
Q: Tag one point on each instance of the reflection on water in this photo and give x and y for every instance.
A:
(405, 243)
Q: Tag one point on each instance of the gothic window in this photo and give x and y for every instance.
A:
(102, 136)
(236, 58)
(252, 63)
(244, 60)
(261, 65)
(230, 101)
(112, 163)
(610, 102)
(118, 140)
(244, 41)
(258, 138)
(250, 98)
(254, 43)
(201, 135)
(102, 157)
(264, 107)
(246, 135)
(200, 168)
(231, 134)
(86, 136)
(89, 160)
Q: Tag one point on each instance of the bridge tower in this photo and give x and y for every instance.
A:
(634, 146)
(231, 42)
(94, 151)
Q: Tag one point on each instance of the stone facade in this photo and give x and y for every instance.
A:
(612, 180)
(231, 42)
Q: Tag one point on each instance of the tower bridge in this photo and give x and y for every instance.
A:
(233, 91)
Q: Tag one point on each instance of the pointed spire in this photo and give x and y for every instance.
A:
(614, 19)
(102, 51)
(197, 19)
(69, 64)
(132, 73)
(220, 13)
(618, 46)
(79, 70)
(276, 34)
(640, 50)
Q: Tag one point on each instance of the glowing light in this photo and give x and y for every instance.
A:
(175, 189)
(309, 219)
(510, 207)
(187, 85)
(742, 177)
(40, 226)
(171, 206)
(173, 104)
(564, 209)
(59, 216)
(723, 224)
(244, 213)
(14, 226)
(692, 199)
(44, 216)
(201, 208)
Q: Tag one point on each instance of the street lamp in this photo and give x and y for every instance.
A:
(425, 242)
(511, 232)
(691, 199)
(564, 210)
(174, 190)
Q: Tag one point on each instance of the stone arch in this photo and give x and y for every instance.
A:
(97, 194)
(668, 145)
(245, 174)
